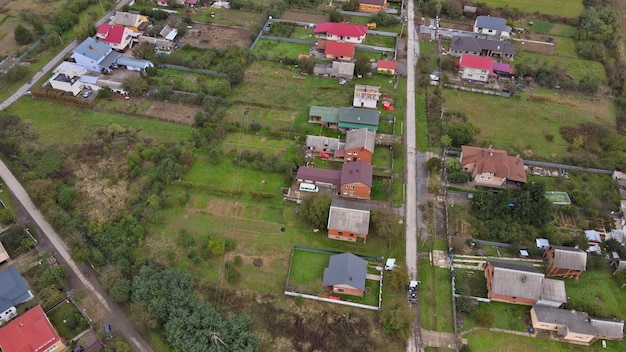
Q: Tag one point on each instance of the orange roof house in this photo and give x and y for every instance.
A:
(372, 6)
(339, 51)
(30, 332)
(386, 67)
(492, 167)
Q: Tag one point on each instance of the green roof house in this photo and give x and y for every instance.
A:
(355, 118)
(325, 116)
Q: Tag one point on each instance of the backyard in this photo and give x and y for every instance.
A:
(528, 122)
(565, 8)
(435, 297)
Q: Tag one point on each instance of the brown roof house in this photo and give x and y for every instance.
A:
(567, 262)
(319, 177)
(348, 220)
(492, 167)
(356, 180)
(345, 274)
(521, 284)
(360, 145)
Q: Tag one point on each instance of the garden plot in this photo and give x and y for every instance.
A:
(204, 35)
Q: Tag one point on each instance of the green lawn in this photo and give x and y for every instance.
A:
(279, 49)
(67, 320)
(228, 17)
(505, 316)
(493, 341)
(596, 292)
(70, 124)
(380, 189)
(558, 29)
(566, 47)
(382, 158)
(541, 27)
(576, 68)
(435, 298)
(527, 123)
(379, 40)
(397, 195)
(241, 142)
(564, 8)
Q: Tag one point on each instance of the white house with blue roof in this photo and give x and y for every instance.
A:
(95, 56)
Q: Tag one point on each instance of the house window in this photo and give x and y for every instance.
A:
(346, 186)
(351, 187)
(349, 153)
(482, 177)
(489, 178)
(340, 290)
(351, 235)
(355, 153)
(340, 233)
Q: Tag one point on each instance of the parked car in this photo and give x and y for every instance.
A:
(412, 291)
(107, 329)
(78, 348)
(87, 94)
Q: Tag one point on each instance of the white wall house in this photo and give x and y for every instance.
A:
(95, 56)
(66, 77)
(492, 26)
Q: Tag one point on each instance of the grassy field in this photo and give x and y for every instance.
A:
(435, 298)
(596, 292)
(576, 68)
(382, 158)
(379, 40)
(528, 122)
(278, 49)
(227, 17)
(505, 316)
(493, 341)
(566, 47)
(564, 8)
(241, 142)
(70, 124)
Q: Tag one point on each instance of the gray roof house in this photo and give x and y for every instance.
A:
(569, 325)
(95, 56)
(609, 329)
(323, 144)
(345, 274)
(348, 220)
(567, 262)
(481, 47)
(494, 26)
(133, 63)
(522, 284)
(361, 138)
(13, 289)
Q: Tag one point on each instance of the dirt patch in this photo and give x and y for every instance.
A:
(172, 112)
(301, 16)
(458, 26)
(206, 36)
(224, 207)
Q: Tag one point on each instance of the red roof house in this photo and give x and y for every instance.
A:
(476, 68)
(30, 331)
(386, 67)
(339, 51)
(117, 36)
(343, 32)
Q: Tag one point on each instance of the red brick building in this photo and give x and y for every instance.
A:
(360, 145)
(348, 220)
(565, 262)
(356, 180)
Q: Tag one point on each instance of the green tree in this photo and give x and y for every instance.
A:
(235, 74)
(22, 35)
(335, 16)
(217, 245)
(15, 73)
(461, 133)
(361, 65)
(397, 320)
(135, 85)
(387, 225)
(306, 65)
(314, 209)
(351, 5)
(383, 19)
(433, 164)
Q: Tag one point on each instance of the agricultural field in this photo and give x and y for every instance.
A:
(528, 121)
(72, 124)
(564, 8)
(493, 341)
(557, 29)
(574, 67)
(226, 17)
(280, 49)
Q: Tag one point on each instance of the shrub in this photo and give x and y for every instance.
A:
(484, 318)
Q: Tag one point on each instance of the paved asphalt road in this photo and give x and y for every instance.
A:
(414, 342)
(113, 314)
